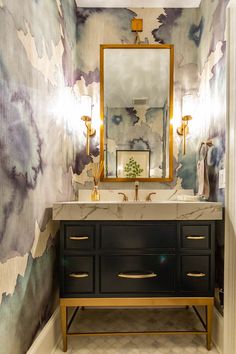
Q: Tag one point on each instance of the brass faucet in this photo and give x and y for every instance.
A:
(125, 198)
(148, 197)
(136, 185)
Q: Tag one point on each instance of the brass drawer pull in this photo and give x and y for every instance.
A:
(130, 275)
(195, 237)
(78, 238)
(78, 275)
(196, 275)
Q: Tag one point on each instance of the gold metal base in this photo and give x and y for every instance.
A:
(136, 302)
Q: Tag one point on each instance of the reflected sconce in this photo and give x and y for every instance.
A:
(137, 26)
(86, 116)
(183, 130)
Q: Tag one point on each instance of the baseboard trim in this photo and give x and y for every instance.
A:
(218, 331)
(49, 337)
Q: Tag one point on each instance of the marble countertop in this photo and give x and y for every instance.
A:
(113, 210)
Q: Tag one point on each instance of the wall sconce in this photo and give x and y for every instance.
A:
(86, 112)
(137, 26)
(183, 130)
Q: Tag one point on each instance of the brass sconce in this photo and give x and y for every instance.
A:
(86, 109)
(183, 130)
(137, 26)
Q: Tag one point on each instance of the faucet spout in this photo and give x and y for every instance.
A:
(136, 185)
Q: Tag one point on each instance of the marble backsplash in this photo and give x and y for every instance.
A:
(108, 195)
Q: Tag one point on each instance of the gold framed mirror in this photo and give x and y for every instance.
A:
(136, 106)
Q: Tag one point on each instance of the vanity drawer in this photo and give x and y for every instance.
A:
(79, 236)
(195, 236)
(137, 274)
(138, 236)
(195, 273)
(78, 274)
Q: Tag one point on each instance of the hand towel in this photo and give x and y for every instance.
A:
(202, 172)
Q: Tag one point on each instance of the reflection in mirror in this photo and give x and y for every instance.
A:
(136, 107)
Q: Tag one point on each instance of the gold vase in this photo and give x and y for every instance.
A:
(95, 194)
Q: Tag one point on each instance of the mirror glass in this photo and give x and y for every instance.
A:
(136, 108)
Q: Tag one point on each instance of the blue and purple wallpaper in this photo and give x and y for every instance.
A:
(49, 56)
(144, 129)
(37, 42)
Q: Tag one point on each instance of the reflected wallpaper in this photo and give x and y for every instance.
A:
(143, 129)
(49, 56)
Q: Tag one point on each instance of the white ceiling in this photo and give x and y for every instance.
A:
(138, 3)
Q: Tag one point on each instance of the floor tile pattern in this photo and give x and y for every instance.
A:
(136, 320)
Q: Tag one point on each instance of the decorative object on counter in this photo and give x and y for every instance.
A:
(97, 169)
(95, 194)
(86, 112)
(202, 169)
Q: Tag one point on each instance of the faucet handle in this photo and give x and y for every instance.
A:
(148, 197)
(125, 198)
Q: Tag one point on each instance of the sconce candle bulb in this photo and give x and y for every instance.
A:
(187, 106)
(86, 109)
(183, 130)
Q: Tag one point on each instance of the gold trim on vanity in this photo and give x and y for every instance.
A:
(137, 302)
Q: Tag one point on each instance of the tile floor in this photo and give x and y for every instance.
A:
(133, 320)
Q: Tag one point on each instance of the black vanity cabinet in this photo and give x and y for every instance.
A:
(136, 258)
(136, 263)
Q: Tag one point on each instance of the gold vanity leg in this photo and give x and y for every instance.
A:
(64, 326)
(209, 325)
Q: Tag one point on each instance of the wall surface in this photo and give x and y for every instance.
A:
(198, 38)
(212, 108)
(212, 87)
(110, 26)
(50, 54)
(37, 148)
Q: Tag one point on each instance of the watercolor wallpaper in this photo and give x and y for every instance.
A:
(49, 56)
(212, 110)
(37, 42)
